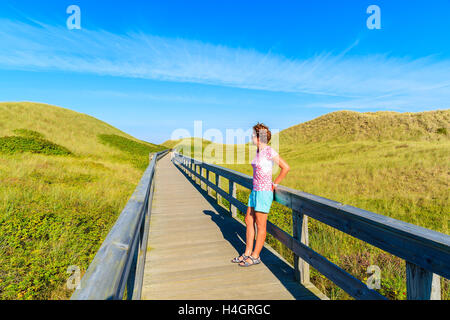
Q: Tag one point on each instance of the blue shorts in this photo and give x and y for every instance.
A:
(261, 200)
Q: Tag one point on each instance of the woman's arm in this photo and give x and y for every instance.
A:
(284, 169)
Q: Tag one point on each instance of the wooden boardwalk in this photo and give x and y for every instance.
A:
(191, 243)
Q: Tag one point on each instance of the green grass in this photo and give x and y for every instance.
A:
(56, 209)
(344, 126)
(442, 131)
(136, 152)
(397, 165)
(13, 144)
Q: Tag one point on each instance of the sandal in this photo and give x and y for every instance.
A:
(236, 260)
(254, 261)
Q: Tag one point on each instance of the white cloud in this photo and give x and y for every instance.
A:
(361, 81)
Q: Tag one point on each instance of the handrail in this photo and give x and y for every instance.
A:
(425, 251)
(119, 262)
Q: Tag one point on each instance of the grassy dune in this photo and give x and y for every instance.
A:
(393, 164)
(56, 207)
(65, 177)
(345, 126)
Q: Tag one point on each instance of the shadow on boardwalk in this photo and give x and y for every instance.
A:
(235, 233)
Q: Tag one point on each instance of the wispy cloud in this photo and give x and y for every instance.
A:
(357, 81)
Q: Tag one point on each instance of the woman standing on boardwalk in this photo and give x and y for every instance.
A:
(261, 197)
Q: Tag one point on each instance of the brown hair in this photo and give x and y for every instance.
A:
(262, 132)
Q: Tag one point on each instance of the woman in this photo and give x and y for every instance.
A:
(261, 197)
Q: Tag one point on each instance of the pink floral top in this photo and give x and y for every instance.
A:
(262, 169)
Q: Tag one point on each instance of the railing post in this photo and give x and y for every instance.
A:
(207, 179)
(421, 284)
(219, 197)
(132, 273)
(202, 172)
(190, 168)
(195, 170)
(300, 232)
(202, 185)
(232, 192)
(117, 264)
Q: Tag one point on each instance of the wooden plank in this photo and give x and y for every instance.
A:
(209, 179)
(429, 255)
(346, 281)
(235, 202)
(240, 178)
(109, 272)
(191, 244)
(350, 284)
(340, 277)
(139, 278)
(300, 233)
(202, 172)
(232, 194)
(218, 196)
(422, 284)
(426, 248)
(225, 288)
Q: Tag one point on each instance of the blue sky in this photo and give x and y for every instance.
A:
(150, 67)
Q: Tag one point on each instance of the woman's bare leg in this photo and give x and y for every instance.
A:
(261, 224)
(250, 235)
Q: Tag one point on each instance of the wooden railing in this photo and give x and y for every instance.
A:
(426, 252)
(119, 263)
